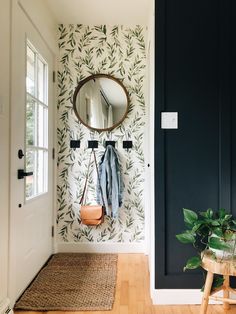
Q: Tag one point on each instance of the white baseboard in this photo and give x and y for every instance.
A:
(180, 296)
(176, 296)
(88, 247)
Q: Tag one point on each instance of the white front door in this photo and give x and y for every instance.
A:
(31, 213)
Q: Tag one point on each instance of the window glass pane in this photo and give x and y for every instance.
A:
(36, 124)
(30, 121)
(41, 123)
(40, 170)
(30, 79)
(41, 81)
(30, 180)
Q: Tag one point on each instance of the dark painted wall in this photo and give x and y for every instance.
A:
(195, 72)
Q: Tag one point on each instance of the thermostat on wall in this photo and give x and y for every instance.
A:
(169, 120)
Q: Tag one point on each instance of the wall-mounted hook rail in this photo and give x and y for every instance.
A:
(94, 144)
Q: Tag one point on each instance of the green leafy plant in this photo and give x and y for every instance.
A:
(208, 230)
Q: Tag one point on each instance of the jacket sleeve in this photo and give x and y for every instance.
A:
(120, 181)
(103, 183)
(115, 191)
(98, 190)
(117, 184)
(121, 186)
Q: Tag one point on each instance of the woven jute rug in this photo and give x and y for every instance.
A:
(73, 282)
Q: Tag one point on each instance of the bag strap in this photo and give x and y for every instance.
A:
(99, 182)
(86, 180)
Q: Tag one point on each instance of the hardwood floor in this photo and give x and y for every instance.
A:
(132, 293)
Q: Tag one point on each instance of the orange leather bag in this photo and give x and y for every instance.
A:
(91, 215)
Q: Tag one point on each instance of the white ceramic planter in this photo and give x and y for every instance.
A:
(227, 253)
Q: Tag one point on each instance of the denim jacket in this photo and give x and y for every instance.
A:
(111, 182)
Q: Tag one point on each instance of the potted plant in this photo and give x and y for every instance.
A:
(209, 230)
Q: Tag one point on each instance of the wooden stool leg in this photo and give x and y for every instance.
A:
(206, 293)
(226, 292)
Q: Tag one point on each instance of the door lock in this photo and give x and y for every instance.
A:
(21, 174)
(20, 154)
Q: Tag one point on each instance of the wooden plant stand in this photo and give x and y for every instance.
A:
(224, 267)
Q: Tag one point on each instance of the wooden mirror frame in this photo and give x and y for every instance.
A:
(94, 76)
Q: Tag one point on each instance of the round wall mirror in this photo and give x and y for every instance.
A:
(101, 102)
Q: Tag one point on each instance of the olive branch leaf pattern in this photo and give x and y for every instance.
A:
(118, 51)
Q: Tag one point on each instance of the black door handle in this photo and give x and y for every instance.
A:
(21, 174)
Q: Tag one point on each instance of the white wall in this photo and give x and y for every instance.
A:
(43, 20)
(4, 142)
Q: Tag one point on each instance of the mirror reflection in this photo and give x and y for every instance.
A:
(101, 102)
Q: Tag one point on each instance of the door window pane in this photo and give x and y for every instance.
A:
(41, 81)
(30, 121)
(30, 78)
(41, 129)
(42, 170)
(30, 180)
(36, 124)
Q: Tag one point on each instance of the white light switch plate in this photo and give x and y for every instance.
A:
(169, 120)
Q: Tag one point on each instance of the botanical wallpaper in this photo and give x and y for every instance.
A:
(118, 51)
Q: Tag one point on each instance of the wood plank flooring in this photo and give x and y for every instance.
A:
(132, 293)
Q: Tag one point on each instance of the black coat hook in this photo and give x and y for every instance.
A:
(92, 144)
(75, 144)
(112, 143)
(127, 144)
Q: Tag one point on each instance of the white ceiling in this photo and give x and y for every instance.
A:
(111, 12)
